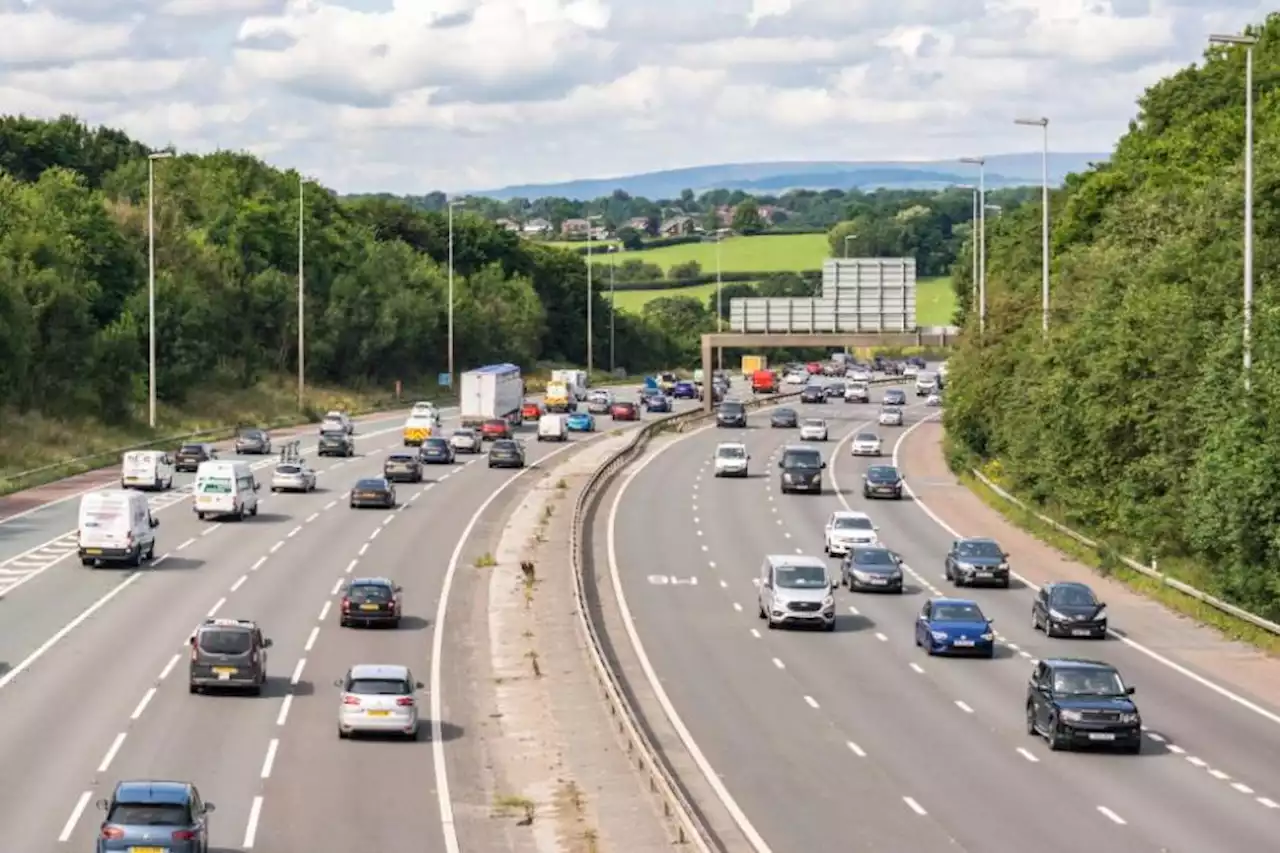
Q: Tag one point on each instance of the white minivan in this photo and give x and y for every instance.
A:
(116, 527)
(551, 427)
(225, 488)
(147, 469)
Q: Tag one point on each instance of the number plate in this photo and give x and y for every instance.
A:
(1080, 632)
(982, 574)
(1101, 736)
(963, 643)
(368, 607)
(880, 581)
(93, 550)
(146, 850)
(224, 670)
(378, 713)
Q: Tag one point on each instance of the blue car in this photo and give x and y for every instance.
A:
(581, 422)
(169, 816)
(658, 403)
(685, 391)
(954, 626)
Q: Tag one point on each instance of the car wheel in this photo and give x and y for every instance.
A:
(193, 688)
(1049, 630)
(762, 614)
(86, 561)
(275, 490)
(343, 734)
(1035, 620)
(200, 516)
(254, 511)
(1055, 740)
(830, 626)
(1031, 720)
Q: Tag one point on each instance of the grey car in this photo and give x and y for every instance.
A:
(253, 441)
(465, 440)
(336, 443)
(977, 561)
(293, 477)
(228, 654)
(403, 468)
(872, 568)
(378, 699)
(796, 590)
(895, 397)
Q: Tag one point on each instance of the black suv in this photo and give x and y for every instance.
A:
(882, 481)
(731, 413)
(1074, 703)
(972, 562)
(190, 455)
(801, 470)
(228, 654)
(370, 601)
(1069, 609)
(336, 443)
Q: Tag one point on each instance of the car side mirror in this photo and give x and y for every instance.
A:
(266, 644)
(191, 641)
(103, 804)
(1101, 604)
(256, 485)
(991, 622)
(155, 522)
(418, 685)
(399, 589)
(779, 464)
(824, 465)
(1130, 690)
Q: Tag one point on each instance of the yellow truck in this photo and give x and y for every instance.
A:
(417, 429)
(752, 363)
(557, 397)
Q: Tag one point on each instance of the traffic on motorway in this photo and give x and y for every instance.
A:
(952, 705)
(271, 650)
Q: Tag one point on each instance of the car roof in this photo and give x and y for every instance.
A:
(153, 791)
(945, 600)
(1052, 585)
(245, 624)
(795, 560)
(1078, 663)
(378, 480)
(393, 671)
(849, 513)
(978, 539)
(372, 582)
(730, 444)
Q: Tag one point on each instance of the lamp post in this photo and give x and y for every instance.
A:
(151, 280)
(452, 205)
(1043, 124)
(981, 163)
(720, 232)
(590, 299)
(613, 307)
(1247, 42)
(302, 333)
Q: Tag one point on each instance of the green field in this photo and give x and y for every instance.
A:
(935, 300)
(784, 253)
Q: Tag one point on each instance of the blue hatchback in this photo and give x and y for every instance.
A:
(169, 816)
(581, 422)
(685, 391)
(658, 403)
(954, 626)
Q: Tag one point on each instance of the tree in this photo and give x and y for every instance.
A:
(684, 272)
(746, 217)
(630, 238)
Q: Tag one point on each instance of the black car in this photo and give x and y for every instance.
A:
(190, 455)
(882, 481)
(784, 419)
(801, 470)
(1073, 703)
(255, 441)
(373, 491)
(370, 601)
(872, 568)
(436, 451)
(976, 561)
(1068, 609)
(336, 443)
(894, 397)
(732, 413)
(506, 453)
(813, 394)
(402, 467)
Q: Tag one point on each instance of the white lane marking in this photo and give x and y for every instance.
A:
(337, 585)
(699, 532)
(881, 637)
(257, 565)
(1175, 749)
(363, 549)
(251, 828)
(711, 563)
(853, 610)
(963, 707)
(916, 667)
(1242, 787)
(1128, 641)
(78, 810)
(389, 519)
(297, 672)
(374, 534)
(269, 761)
(855, 749)
(755, 633)
(284, 709)
(294, 532)
(25, 664)
(352, 566)
(168, 668)
(779, 664)
(914, 806)
(724, 584)
(324, 611)
(215, 608)
(1268, 802)
(1112, 816)
(810, 701)
(1197, 762)
(330, 504)
(239, 583)
(277, 546)
(111, 752)
(210, 528)
(143, 703)
(186, 544)
(312, 517)
(1027, 754)
(737, 607)
(1155, 737)
(1219, 775)
(311, 639)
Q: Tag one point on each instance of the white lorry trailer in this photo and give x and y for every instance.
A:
(494, 391)
(575, 379)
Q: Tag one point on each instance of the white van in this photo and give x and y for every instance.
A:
(116, 526)
(552, 428)
(225, 488)
(147, 469)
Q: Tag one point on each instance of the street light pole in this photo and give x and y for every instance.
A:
(1247, 42)
(981, 163)
(719, 301)
(613, 307)
(1043, 124)
(302, 334)
(452, 205)
(151, 281)
(590, 299)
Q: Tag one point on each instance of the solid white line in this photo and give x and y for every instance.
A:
(168, 668)
(363, 549)
(855, 749)
(239, 583)
(297, 672)
(284, 709)
(963, 707)
(813, 703)
(186, 544)
(215, 608)
(1111, 816)
(337, 586)
(914, 806)
(111, 752)
(324, 611)
(1028, 754)
(258, 564)
(70, 826)
(251, 828)
(311, 639)
(143, 703)
(270, 760)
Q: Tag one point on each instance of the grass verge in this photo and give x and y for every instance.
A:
(781, 253)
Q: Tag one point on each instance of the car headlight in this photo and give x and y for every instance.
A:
(1102, 615)
(988, 637)
(965, 567)
(939, 635)
(1004, 567)
(1071, 716)
(1054, 614)
(1129, 718)
(829, 601)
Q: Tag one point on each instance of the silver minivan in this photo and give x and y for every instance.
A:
(378, 699)
(797, 590)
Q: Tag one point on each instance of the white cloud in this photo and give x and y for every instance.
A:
(414, 95)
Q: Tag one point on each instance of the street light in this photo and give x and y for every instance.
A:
(1248, 43)
(973, 229)
(151, 279)
(720, 232)
(613, 307)
(1043, 124)
(981, 163)
(452, 205)
(590, 299)
(302, 339)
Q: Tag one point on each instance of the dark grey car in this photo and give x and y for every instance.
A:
(732, 413)
(977, 561)
(228, 654)
(335, 443)
(871, 568)
(253, 441)
(784, 419)
(801, 470)
(506, 453)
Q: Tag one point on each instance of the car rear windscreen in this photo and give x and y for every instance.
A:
(225, 642)
(149, 814)
(288, 469)
(191, 448)
(378, 687)
(369, 592)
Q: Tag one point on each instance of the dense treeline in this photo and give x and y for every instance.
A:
(1132, 416)
(73, 280)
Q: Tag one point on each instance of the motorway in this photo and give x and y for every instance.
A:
(93, 663)
(857, 739)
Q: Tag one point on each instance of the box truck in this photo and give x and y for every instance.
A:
(490, 392)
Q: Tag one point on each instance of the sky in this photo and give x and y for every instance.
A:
(409, 96)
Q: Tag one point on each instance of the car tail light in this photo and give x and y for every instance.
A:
(112, 832)
(391, 603)
(346, 603)
(350, 700)
(253, 657)
(405, 701)
(184, 835)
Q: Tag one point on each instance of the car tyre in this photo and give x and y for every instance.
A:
(343, 734)
(254, 511)
(1031, 720)
(830, 626)
(86, 561)
(194, 689)
(1056, 742)
(200, 516)
(760, 611)
(255, 690)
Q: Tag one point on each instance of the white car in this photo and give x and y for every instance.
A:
(859, 375)
(866, 444)
(813, 429)
(933, 400)
(465, 441)
(336, 420)
(425, 410)
(796, 379)
(378, 698)
(890, 416)
(848, 528)
(911, 370)
(731, 459)
(599, 402)
(857, 393)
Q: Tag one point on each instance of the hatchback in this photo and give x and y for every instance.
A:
(378, 699)
(495, 428)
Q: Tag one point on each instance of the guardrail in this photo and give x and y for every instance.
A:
(1152, 571)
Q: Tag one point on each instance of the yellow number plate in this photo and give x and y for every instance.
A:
(93, 550)
(146, 850)
(378, 713)
(368, 607)
(224, 670)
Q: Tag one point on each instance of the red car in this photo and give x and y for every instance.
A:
(531, 411)
(495, 429)
(625, 412)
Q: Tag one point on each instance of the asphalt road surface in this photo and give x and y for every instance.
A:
(857, 740)
(93, 664)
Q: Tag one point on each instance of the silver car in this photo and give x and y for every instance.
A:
(378, 699)
(797, 590)
(813, 429)
(465, 441)
(253, 441)
(890, 416)
(293, 477)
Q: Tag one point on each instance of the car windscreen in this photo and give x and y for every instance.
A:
(1088, 682)
(882, 474)
(800, 577)
(873, 557)
(1072, 596)
(149, 814)
(784, 413)
(815, 423)
(854, 524)
(226, 641)
(989, 550)
(401, 458)
(192, 449)
(800, 459)
(215, 486)
(333, 434)
(731, 407)
(378, 687)
(731, 452)
(369, 592)
(957, 613)
(251, 434)
(370, 485)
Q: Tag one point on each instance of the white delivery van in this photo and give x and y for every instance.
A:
(146, 469)
(116, 527)
(552, 428)
(225, 488)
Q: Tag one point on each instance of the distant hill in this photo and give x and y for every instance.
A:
(1003, 170)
